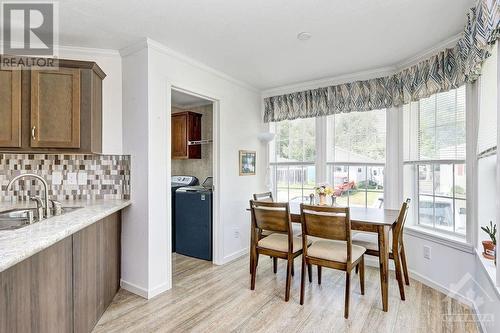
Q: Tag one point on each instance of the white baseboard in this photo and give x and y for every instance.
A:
(158, 290)
(144, 293)
(233, 256)
(439, 287)
(134, 289)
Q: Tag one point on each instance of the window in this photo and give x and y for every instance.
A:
(487, 133)
(356, 157)
(434, 155)
(292, 159)
(487, 145)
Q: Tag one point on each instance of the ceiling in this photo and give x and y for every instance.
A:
(255, 41)
(183, 100)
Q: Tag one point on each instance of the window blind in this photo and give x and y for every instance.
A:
(487, 133)
(434, 127)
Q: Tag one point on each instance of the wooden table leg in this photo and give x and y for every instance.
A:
(383, 245)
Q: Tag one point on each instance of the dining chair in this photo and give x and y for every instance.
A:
(280, 244)
(332, 246)
(265, 196)
(268, 197)
(397, 249)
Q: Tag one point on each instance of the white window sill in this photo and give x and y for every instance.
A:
(491, 270)
(440, 238)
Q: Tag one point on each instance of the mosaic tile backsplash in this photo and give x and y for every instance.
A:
(96, 176)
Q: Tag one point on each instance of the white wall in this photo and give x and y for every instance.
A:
(487, 195)
(135, 226)
(238, 114)
(110, 62)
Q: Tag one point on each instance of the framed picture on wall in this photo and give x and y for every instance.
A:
(247, 162)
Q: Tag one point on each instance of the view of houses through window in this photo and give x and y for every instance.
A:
(354, 156)
(348, 152)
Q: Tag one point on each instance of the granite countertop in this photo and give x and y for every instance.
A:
(19, 244)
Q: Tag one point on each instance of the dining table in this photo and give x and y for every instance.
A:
(373, 220)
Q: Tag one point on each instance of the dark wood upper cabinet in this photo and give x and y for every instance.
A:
(10, 108)
(186, 127)
(57, 109)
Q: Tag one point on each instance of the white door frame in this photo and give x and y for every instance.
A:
(217, 237)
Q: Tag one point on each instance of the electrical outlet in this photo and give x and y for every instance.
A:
(72, 178)
(236, 233)
(427, 252)
(57, 178)
(82, 178)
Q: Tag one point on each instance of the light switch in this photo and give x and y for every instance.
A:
(82, 178)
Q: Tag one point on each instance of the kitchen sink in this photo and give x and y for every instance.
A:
(21, 217)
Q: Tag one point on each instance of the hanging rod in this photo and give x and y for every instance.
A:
(200, 142)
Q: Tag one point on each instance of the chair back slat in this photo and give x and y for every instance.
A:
(271, 216)
(400, 223)
(266, 196)
(326, 222)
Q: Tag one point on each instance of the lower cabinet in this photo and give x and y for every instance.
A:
(36, 294)
(66, 287)
(96, 271)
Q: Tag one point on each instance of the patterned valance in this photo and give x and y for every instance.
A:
(448, 69)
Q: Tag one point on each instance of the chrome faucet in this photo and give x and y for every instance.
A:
(46, 208)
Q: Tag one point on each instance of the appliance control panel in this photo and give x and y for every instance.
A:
(187, 180)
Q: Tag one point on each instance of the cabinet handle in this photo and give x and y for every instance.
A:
(33, 132)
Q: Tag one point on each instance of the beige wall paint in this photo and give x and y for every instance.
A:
(199, 168)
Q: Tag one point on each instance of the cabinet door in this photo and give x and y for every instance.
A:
(10, 108)
(110, 240)
(96, 270)
(55, 108)
(179, 136)
(194, 134)
(36, 294)
(85, 278)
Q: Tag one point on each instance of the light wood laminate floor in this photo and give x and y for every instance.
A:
(209, 298)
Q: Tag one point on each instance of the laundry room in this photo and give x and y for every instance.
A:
(192, 167)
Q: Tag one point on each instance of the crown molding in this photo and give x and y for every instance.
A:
(90, 51)
(329, 81)
(61, 49)
(134, 47)
(190, 61)
(362, 75)
(447, 43)
(159, 47)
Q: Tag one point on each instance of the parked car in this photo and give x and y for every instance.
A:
(343, 188)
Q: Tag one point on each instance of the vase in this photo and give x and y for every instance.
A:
(489, 250)
(322, 199)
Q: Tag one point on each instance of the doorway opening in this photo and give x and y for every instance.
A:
(192, 179)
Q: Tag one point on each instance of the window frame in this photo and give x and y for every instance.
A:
(321, 163)
(416, 162)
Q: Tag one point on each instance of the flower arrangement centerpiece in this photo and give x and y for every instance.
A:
(322, 191)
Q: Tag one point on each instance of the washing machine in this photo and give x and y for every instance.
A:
(176, 183)
(193, 220)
